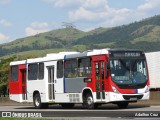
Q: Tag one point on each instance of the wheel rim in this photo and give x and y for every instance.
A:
(89, 100)
(37, 101)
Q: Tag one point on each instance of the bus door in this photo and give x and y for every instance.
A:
(24, 88)
(99, 68)
(51, 75)
(18, 82)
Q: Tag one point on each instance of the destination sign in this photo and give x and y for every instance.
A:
(126, 54)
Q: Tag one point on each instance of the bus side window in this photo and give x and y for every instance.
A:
(14, 73)
(41, 71)
(71, 68)
(60, 69)
(84, 67)
(33, 71)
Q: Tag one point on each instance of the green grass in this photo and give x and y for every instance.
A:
(25, 119)
(152, 36)
(65, 34)
(98, 30)
(79, 48)
(106, 45)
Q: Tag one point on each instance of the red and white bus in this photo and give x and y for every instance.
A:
(91, 78)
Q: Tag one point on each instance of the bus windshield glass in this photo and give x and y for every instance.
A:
(128, 71)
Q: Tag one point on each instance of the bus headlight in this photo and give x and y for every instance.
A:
(115, 90)
(147, 89)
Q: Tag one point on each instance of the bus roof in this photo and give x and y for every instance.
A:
(88, 53)
(51, 57)
(68, 55)
(18, 62)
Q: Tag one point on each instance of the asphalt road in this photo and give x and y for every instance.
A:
(108, 110)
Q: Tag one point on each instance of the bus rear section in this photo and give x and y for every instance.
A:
(17, 81)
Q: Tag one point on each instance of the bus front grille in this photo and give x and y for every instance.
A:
(132, 97)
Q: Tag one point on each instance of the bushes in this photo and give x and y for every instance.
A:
(4, 74)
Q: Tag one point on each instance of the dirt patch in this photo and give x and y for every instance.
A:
(6, 101)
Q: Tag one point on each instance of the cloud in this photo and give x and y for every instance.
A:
(36, 28)
(97, 4)
(77, 3)
(99, 11)
(5, 23)
(92, 11)
(31, 31)
(82, 13)
(149, 4)
(100, 14)
(3, 38)
(63, 3)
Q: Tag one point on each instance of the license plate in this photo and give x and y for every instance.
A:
(133, 99)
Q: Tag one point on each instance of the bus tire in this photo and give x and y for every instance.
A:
(122, 105)
(67, 105)
(37, 102)
(88, 102)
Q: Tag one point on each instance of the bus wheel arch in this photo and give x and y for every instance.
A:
(35, 92)
(86, 91)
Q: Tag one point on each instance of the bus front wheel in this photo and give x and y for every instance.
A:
(88, 102)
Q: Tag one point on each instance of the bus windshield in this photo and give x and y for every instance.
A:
(129, 71)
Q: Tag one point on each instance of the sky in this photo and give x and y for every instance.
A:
(22, 18)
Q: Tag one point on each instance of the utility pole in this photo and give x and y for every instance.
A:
(70, 26)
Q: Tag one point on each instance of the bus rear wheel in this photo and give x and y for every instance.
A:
(122, 105)
(37, 102)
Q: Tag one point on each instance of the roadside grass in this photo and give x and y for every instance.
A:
(7, 118)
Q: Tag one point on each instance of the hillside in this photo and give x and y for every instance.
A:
(144, 35)
(59, 38)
